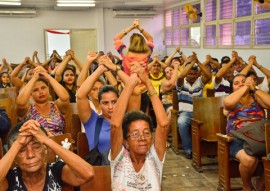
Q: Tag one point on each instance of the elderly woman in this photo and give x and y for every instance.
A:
(137, 165)
(28, 151)
(244, 106)
(48, 114)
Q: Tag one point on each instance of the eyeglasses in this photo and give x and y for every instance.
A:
(136, 135)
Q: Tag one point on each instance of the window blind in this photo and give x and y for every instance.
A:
(184, 36)
(226, 7)
(242, 33)
(225, 34)
(210, 35)
(262, 32)
(211, 10)
(168, 37)
(243, 8)
(168, 18)
(176, 17)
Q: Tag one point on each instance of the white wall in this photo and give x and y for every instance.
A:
(19, 37)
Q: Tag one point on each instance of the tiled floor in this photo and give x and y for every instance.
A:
(179, 175)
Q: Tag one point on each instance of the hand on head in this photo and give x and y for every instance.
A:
(31, 128)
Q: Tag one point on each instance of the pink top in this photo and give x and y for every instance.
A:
(129, 58)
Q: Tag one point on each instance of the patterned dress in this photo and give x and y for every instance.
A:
(242, 115)
(53, 122)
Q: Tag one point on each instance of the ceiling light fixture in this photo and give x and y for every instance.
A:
(72, 3)
(148, 2)
(15, 3)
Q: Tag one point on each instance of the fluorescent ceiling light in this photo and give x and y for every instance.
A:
(72, 3)
(75, 5)
(75, 2)
(18, 3)
(143, 2)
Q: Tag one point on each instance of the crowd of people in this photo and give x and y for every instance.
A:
(121, 95)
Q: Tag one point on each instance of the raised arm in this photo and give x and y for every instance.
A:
(91, 57)
(125, 32)
(167, 85)
(78, 63)
(161, 132)
(184, 73)
(84, 109)
(251, 61)
(118, 115)
(207, 75)
(35, 57)
(61, 68)
(7, 65)
(169, 59)
(222, 71)
(263, 69)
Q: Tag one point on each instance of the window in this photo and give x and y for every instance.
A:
(242, 33)
(184, 36)
(211, 10)
(210, 35)
(226, 8)
(262, 32)
(225, 34)
(243, 8)
(227, 24)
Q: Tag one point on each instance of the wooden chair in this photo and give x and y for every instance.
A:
(266, 162)
(227, 167)
(174, 116)
(101, 181)
(208, 119)
(82, 145)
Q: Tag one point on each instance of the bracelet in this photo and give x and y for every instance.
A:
(254, 90)
(117, 68)
(141, 31)
(125, 33)
(150, 94)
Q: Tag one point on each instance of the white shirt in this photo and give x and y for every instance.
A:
(124, 176)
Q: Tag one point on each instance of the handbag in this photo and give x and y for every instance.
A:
(94, 157)
(253, 137)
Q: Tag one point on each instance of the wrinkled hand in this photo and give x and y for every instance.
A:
(32, 128)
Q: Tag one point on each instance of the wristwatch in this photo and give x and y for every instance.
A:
(254, 90)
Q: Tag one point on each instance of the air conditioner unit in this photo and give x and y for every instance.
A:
(133, 13)
(25, 13)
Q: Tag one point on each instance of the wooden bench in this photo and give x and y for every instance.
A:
(208, 119)
(8, 102)
(51, 155)
(174, 116)
(100, 182)
(227, 167)
(102, 178)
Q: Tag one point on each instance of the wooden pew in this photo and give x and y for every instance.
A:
(208, 119)
(174, 116)
(8, 102)
(51, 155)
(266, 162)
(82, 145)
(227, 167)
(102, 178)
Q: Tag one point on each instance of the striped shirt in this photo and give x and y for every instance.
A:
(223, 88)
(186, 92)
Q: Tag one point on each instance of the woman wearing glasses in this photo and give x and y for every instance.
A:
(138, 164)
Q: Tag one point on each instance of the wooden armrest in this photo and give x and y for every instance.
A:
(224, 138)
(196, 122)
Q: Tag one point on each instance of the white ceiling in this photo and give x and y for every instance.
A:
(114, 4)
